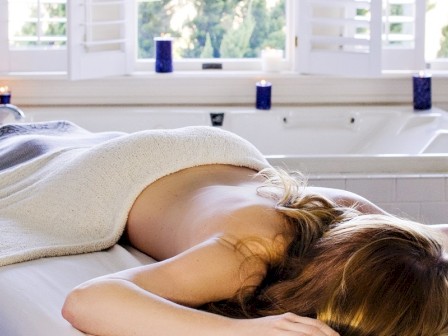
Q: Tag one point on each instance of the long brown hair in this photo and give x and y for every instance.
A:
(364, 275)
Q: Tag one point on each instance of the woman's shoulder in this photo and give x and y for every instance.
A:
(347, 198)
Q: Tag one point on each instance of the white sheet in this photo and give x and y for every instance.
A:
(32, 293)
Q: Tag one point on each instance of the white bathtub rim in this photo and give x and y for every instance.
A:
(379, 165)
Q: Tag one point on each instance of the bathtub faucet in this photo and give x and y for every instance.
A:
(17, 113)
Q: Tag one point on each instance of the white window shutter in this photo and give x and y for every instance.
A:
(100, 38)
(339, 37)
(404, 34)
(4, 43)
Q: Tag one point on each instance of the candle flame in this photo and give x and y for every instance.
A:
(421, 74)
(263, 82)
(4, 89)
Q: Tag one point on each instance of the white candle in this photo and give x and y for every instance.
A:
(5, 95)
(271, 60)
(4, 89)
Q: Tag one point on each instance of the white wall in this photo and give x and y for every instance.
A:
(199, 88)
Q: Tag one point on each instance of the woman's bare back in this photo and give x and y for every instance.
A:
(188, 207)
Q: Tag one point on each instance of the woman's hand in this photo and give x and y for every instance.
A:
(286, 324)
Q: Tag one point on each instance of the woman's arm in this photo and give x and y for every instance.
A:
(112, 306)
(157, 299)
(126, 309)
(154, 297)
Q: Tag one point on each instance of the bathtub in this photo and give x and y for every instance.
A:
(392, 155)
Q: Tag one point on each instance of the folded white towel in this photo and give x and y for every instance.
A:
(73, 193)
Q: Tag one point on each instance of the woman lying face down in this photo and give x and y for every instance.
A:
(263, 254)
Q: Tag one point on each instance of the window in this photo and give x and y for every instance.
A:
(399, 24)
(339, 37)
(403, 35)
(213, 30)
(100, 38)
(361, 37)
(37, 35)
(37, 24)
(436, 34)
(358, 33)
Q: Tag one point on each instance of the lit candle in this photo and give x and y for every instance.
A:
(5, 95)
(271, 60)
(164, 54)
(422, 91)
(263, 99)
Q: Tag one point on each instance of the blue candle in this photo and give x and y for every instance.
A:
(264, 91)
(164, 55)
(5, 95)
(422, 91)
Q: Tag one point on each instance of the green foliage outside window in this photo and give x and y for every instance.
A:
(211, 28)
(443, 51)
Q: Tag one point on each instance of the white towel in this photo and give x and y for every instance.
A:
(73, 194)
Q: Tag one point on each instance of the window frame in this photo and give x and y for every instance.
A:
(56, 60)
(229, 64)
(4, 40)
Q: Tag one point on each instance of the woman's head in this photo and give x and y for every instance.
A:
(372, 275)
(376, 275)
(364, 275)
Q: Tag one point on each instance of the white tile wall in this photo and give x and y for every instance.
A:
(422, 189)
(435, 212)
(374, 189)
(418, 197)
(327, 182)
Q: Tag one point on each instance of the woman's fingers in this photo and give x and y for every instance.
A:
(308, 326)
(287, 324)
